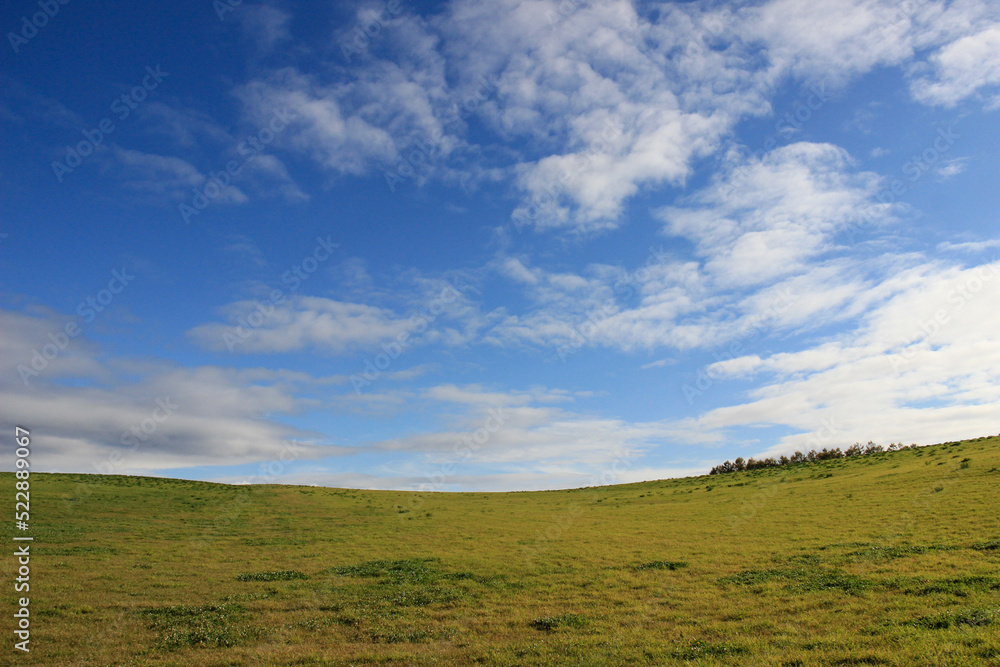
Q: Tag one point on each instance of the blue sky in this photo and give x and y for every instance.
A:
(503, 246)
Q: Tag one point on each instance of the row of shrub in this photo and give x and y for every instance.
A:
(811, 457)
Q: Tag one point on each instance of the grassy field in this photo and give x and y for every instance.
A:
(888, 559)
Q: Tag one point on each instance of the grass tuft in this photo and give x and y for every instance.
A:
(803, 579)
(273, 575)
(410, 570)
(549, 623)
(662, 565)
(877, 552)
(955, 618)
(989, 545)
(209, 626)
(702, 649)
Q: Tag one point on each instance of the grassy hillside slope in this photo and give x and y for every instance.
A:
(889, 559)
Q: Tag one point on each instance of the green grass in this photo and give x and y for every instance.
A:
(218, 626)
(662, 565)
(273, 575)
(874, 560)
(959, 617)
(562, 620)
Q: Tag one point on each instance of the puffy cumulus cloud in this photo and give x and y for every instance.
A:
(771, 216)
(588, 103)
(766, 256)
(839, 39)
(618, 103)
(92, 412)
(355, 122)
(963, 68)
(914, 370)
(611, 100)
(836, 39)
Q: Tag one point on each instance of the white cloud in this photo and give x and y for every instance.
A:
(127, 416)
(969, 246)
(186, 127)
(356, 126)
(413, 310)
(738, 367)
(952, 167)
(765, 234)
(835, 39)
(913, 370)
(590, 103)
(301, 323)
(521, 433)
(962, 68)
(160, 177)
(770, 217)
(265, 25)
